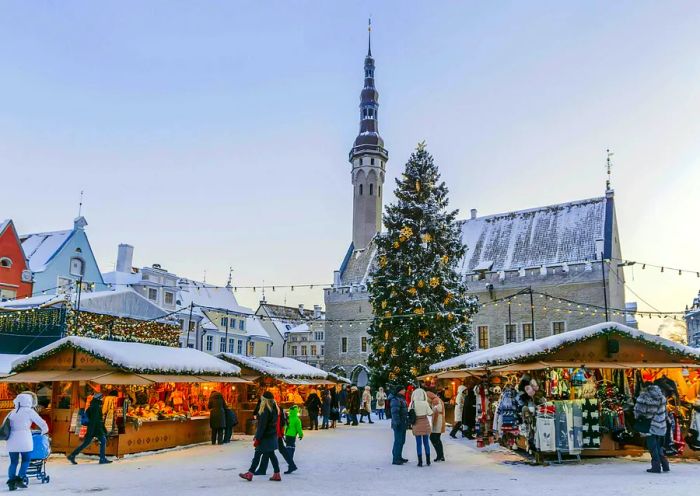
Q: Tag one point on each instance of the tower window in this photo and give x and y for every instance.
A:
(360, 190)
(371, 189)
(371, 161)
(379, 190)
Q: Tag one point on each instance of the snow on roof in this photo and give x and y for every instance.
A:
(34, 301)
(4, 224)
(213, 297)
(254, 328)
(40, 248)
(6, 362)
(300, 328)
(514, 352)
(549, 235)
(138, 357)
(117, 278)
(276, 366)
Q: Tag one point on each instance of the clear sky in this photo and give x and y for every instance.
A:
(216, 133)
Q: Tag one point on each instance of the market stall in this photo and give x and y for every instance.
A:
(289, 380)
(572, 394)
(155, 397)
(7, 393)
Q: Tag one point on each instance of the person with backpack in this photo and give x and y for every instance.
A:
(95, 430)
(293, 432)
(19, 438)
(266, 438)
(651, 421)
(217, 417)
(231, 422)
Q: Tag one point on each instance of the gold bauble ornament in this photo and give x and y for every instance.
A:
(434, 282)
(406, 232)
(417, 185)
(387, 314)
(396, 245)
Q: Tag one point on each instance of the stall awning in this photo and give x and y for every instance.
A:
(55, 375)
(224, 379)
(517, 367)
(297, 382)
(123, 379)
(171, 378)
(456, 374)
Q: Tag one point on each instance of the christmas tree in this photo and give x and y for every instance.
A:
(422, 313)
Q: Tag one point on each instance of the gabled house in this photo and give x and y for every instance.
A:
(15, 276)
(278, 320)
(59, 259)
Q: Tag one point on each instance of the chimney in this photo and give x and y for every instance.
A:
(473, 213)
(125, 258)
(301, 309)
(317, 311)
(336, 278)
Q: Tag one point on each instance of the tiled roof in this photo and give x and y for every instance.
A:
(357, 266)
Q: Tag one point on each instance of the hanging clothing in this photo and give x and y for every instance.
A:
(591, 424)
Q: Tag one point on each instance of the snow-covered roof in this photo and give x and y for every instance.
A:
(118, 278)
(528, 350)
(40, 248)
(301, 328)
(255, 329)
(212, 297)
(34, 301)
(4, 224)
(6, 362)
(276, 366)
(549, 235)
(138, 357)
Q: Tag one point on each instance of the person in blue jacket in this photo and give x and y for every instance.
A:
(399, 423)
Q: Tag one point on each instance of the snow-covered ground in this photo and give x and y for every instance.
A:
(356, 461)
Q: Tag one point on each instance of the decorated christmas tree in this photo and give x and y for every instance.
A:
(422, 313)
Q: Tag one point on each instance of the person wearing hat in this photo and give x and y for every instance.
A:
(19, 443)
(399, 423)
(265, 441)
(95, 430)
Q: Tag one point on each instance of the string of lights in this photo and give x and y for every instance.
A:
(662, 268)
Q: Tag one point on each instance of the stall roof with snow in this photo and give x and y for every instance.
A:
(590, 346)
(283, 368)
(6, 362)
(135, 358)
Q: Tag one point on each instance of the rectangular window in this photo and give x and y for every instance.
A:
(222, 345)
(210, 343)
(240, 347)
(294, 351)
(193, 325)
(323, 350)
(251, 348)
(7, 294)
(241, 325)
(169, 298)
(181, 322)
(558, 327)
(64, 285)
(314, 350)
(511, 333)
(483, 332)
(224, 321)
(527, 331)
(363, 344)
(343, 345)
(303, 351)
(318, 335)
(231, 345)
(152, 294)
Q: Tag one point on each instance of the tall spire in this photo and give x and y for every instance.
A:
(369, 37)
(608, 166)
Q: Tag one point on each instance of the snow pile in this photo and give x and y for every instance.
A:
(513, 352)
(277, 367)
(138, 357)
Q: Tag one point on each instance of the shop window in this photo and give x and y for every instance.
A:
(251, 348)
(7, 294)
(343, 345)
(558, 327)
(527, 331)
(210, 343)
(483, 333)
(511, 333)
(363, 344)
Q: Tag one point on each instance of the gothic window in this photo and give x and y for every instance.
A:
(371, 189)
(360, 190)
(379, 191)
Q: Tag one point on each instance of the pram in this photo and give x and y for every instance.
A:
(40, 453)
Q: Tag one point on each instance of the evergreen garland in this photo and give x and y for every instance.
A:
(416, 272)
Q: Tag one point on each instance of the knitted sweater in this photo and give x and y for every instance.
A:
(651, 404)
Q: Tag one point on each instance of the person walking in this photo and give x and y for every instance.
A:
(335, 407)
(354, 404)
(421, 427)
(95, 430)
(313, 405)
(459, 409)
(281, 446)
(438, 425)
(399, 424)
(469, 414)
(293, 432)
(325, 408)
(380, 403)
(217, 417)
(265, 439)
(231, 422)
(651, 414)
(366, 406)
(20, 443)
(343, 403)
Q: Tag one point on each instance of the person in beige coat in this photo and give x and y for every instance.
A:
(421, 427)
(459, 408)
(438, 425)
(366, 407)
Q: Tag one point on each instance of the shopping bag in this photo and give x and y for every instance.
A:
(83, 432)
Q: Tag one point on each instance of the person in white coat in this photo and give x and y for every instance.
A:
(459, 408)
(20, 443)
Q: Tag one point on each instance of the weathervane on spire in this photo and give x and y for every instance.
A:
(608, 166)
(230, 274)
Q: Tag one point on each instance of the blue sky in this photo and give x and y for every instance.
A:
(216, 133)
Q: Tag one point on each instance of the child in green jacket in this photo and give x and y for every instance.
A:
(291, 433)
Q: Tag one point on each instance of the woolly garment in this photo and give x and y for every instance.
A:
(651, 404)
(591, 424)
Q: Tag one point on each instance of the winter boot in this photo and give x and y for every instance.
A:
(71, 459)
(427, 460)
(420, 460)
(247, 476)
(291, 469)
(19, 483)
(12, 484)
(276, 477)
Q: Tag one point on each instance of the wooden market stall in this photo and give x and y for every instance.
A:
(289, 380)
(155, 396)
(7, 392)
(526, 390)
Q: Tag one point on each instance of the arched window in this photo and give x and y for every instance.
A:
(379, 191)
(5, 262)
(371, 189)
(77, 267)
(360, 190)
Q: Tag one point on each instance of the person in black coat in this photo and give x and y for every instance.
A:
(217, 417)
(335, 407)
(95, 430)
(313, 405)
(325, 408)
(354, 404)
(469, 413)
(231, 422)
(265, 440)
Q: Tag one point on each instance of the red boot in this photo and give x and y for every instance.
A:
(247, 476)
(276, 477)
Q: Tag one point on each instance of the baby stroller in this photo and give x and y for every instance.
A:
(40, 453)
